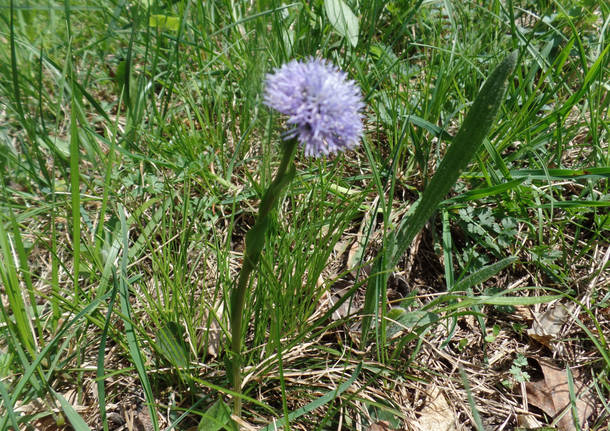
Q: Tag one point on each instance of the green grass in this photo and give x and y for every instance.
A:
(134, 150)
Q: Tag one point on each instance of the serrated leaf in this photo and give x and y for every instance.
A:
(342, 19)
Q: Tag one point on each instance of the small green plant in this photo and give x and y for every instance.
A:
(517, 375)
(495, 331)
(324, 109)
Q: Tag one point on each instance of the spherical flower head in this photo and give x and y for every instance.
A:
(322, 105)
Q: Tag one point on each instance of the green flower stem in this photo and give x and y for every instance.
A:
(255, 240)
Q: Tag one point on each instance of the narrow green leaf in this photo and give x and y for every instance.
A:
(473, 195)
(600, 343)
(8, 406)
(576, 204)
(503, 300)
(28, 375)
(482, 274)
(590, 77)
(478, 423)
(561, 174)
(10, 280)
(342, 19)
(153, 224)
(415, 320)
(99, 373)
(432, 128)
(374, 292)
(78, 423)
(172, 345)
(130, 333)
(448, 252)
(75, 193)
(573, 406)
(25, 272)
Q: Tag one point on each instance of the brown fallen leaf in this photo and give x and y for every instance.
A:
(381, 426)
(528, 422)
(552, 395)
(547, 326)
(211, 331)
(436, 415)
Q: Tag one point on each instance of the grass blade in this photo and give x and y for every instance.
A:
(75, 193)
(28, 373)
(476, 417)
(10, 280)
(318, 402)
(130, 333)
(78, 423)
(101, 389)
(8, 406)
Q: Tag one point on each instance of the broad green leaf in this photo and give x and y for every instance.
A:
(466, 143)
(463, 147)
(164, 22)
(172, 345)
(342, 19)
(217, 417)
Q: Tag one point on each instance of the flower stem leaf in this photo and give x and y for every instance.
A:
(255, 240)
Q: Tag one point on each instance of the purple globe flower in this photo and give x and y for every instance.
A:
(321, 103)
